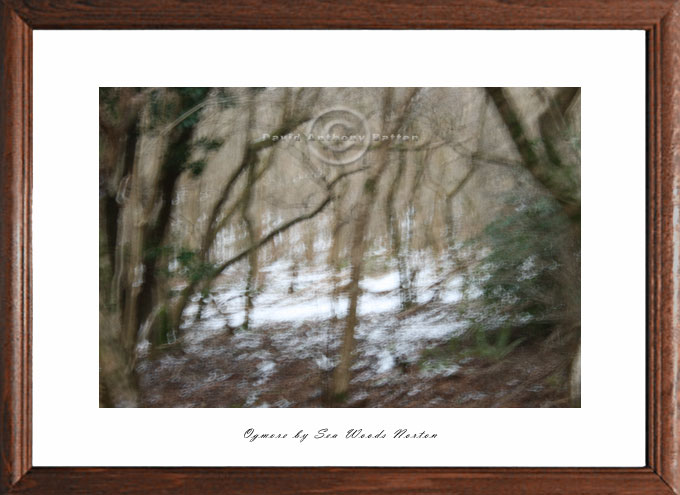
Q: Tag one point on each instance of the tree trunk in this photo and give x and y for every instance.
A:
(342, 372)
(394, 229)
(544, 170)
(334, 253)
(252, 236)
(551, 168)
(119, 133)
(341, 376)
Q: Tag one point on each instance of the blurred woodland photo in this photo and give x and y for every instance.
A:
(339, 247)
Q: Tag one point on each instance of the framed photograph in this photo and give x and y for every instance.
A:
(340, 249)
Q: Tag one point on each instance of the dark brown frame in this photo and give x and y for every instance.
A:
(661, 21)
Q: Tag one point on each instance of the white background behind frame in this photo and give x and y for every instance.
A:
(69, 429)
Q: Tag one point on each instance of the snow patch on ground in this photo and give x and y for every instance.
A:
(303, 327)
(384, 283)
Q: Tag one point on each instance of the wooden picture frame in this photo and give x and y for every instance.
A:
(661, 21)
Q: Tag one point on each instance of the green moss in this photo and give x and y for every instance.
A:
(162, 333)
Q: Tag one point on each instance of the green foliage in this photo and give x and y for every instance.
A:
(185, 257)
(514, 290)
(177, 155)
(201, 271)
(226, 98)
(207, 144)
(436, 358)
(179, 110)
(155, 109)
(192, 268)
(168, 104)
(196, 167)
(192, 96)
(163, 333)
(493, 345)
(109, 98)
(154, 252)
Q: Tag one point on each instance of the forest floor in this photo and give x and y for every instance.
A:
(286, 356)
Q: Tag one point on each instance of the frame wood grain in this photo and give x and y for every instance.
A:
(661, 21)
